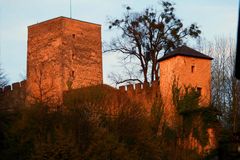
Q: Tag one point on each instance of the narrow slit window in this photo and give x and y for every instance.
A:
(73, 56)
(73, 35)
(192, 68)
(72, 74)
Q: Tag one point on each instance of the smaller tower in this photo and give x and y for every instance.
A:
(186, 67)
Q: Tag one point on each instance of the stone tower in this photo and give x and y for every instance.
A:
(63, 54)
(186, 67)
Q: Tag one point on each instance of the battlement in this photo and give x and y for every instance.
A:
(144, 93)
(13, 87)
(12, 96)
(139, 87)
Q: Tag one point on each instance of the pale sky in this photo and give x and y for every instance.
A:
(215, 18)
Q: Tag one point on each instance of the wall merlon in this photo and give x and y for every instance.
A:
(139, 87)
(130, 88)
(122, 88)
(16, 86)
(13, 87)
(23, 83)
(7, 88)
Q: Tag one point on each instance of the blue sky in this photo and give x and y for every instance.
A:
(215, 18)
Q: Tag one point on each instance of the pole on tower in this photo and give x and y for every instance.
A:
(70, 8)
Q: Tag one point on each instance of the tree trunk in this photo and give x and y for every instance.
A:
(145, 75)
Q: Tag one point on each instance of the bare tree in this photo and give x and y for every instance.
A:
(225, 87)
(3, 78)
(42, 88)
(130, 72)
(147, 35)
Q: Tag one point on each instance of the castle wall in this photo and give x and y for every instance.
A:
(12, 96)
(63, 53)
(142, 93)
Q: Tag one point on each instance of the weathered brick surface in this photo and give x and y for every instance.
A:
(142, 93)
(12, 96)
(63, 53)
(179, 68)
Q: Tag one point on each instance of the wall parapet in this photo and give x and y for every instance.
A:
(12, 87)
(139, 87)
(144, 93)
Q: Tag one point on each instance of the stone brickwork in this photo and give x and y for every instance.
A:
(63, 54)
(181, 72)
(12, 96)
(184, 71)
(145, 93)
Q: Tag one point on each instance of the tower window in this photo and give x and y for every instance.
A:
(72, 74)
(192, 68)
(73, 35)
(73, 55)
(199, 90)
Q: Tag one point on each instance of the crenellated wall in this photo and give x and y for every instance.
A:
(12, 96)
(13, 87)
(143, 93)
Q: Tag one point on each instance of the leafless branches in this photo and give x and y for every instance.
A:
(225, 87)
(44, 91)
(147, 35)
(3, 78)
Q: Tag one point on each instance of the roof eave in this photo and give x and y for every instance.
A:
(165, 58)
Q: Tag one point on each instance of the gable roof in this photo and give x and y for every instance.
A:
(184, 51)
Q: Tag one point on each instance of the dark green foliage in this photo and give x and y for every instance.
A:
(196, 119)
(156, 115)
(107, 146)
(170, 134)
(60, 147)
(92, 95)
(188, 102)
(6, 140)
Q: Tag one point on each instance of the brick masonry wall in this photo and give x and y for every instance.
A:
(142, 93)
(12, 96)
(179, 69)
(63, 53)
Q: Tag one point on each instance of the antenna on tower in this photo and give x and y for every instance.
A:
(70, 8)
